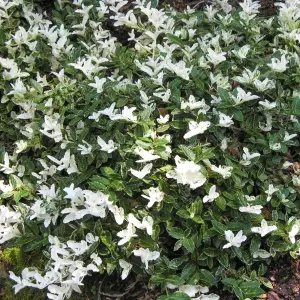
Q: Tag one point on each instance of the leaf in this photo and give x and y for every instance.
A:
(255, 244)
(223, 259)
(106, 171)
(281, 246)
(155, 232)
(99, 183)
(296, 106)
(187, 152)
(196, 208)
(175, 296)
(188, 270)
(180, 296)
(183, 213)
(121, 102)
(163, 128)
(176, 262)
(176, 232)
(175, 280)
(174, 39)
(211, 252)
(238, 292)
(238, 115)
(219, 227)
(188, 244)
(266, 283)
(230, 282)
(35, 243)
(207, 278)
(251, 289)
(36, 86)
(2, 36)
(221, 203)
(224, 95)
(18, 195)
(158, 278)
(120, 138)
(163, 297)
(202, 154)
(110, 267)
(177, 245)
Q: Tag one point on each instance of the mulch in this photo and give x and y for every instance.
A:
(285, 277)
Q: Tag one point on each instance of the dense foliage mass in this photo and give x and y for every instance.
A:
(146, 141)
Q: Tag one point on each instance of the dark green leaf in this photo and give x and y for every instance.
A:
(175, 280)
(207, 278)
(296, 106)
(188, 270)
(176, 232)
(251, 289)
(174, 39)
(188, 244)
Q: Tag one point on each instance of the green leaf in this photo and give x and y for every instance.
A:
(187, 152)
(196, 208)
(255, 244)
(163, 128)
(221, 203)
(36, 86)
(99, 183)
(155, 232)
(18, 195)
(35, 243)
(211, 252)
(175, 232)
(183, 213)
(176, 262)
(107, 239)
(238, 292)
(174, 39)
(106, 171)
(230, 282)
(296, 106)
(281, 246)
(266, 283)
(238, 115)
(175, 280)
(223, 259)
(158, 278)
(188, 270)
(219, 227)
(120, 138)
(175, 296)
(251, 289)
(154, 3)
(207, 278)
(202, 154)
(224, 95)
(2, 36)
(110, 267)
(163, 297)
(188, 244)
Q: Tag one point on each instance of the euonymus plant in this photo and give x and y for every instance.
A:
(145, 141)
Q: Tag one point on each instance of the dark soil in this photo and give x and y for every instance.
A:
(285, 277)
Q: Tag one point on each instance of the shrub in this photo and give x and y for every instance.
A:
(147, 141)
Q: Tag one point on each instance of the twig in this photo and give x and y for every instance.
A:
(99, 288)
(117, 295)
